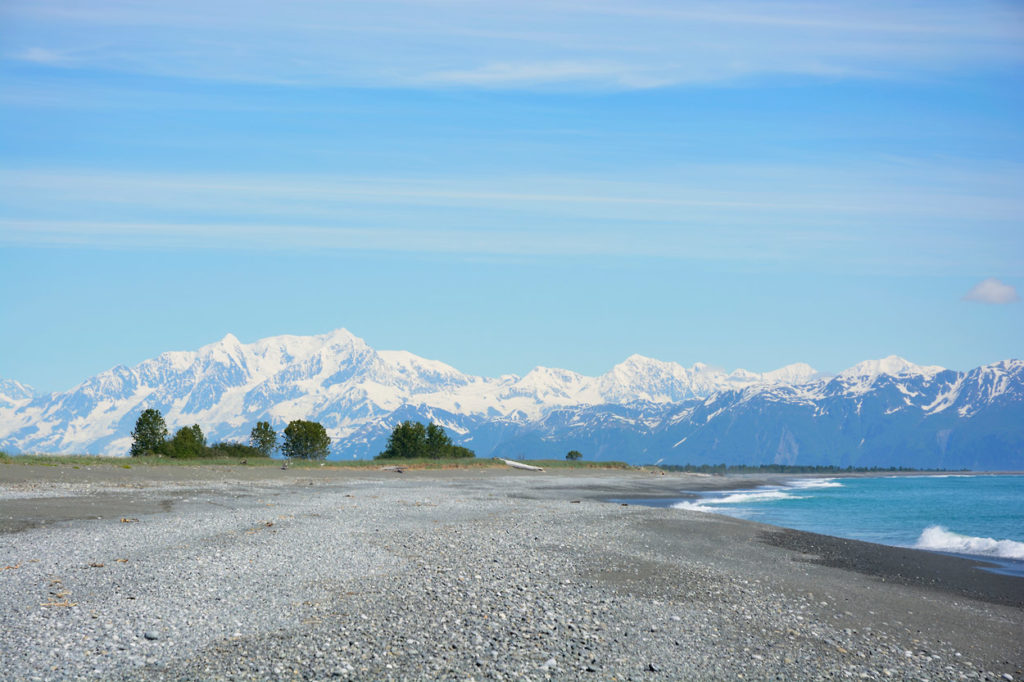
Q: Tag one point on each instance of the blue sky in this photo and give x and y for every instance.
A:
(504, 185)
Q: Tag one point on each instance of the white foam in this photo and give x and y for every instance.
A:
(694, 506)
(743, 496)
(939, 539)
(737, 497)
(809, 483)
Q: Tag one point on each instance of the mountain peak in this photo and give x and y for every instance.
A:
(340, 335)
(228, 343)
(892, 365)
(642, 365)
(637, 359)
(796, 373)
(11, 391)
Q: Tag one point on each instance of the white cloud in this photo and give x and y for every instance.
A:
(991, 290)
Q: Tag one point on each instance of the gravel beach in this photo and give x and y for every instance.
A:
(258, 573)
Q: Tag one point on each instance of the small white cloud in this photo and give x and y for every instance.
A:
(991, 290)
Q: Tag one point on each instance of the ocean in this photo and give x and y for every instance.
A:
(980, 516)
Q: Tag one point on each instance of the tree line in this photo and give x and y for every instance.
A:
(302, 440)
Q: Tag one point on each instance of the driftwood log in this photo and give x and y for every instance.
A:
(519, 465)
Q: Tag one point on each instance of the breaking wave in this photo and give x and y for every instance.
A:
(939, 539)
(811, 483)
(737, 497)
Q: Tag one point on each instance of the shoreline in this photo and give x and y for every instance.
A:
(876, 598)
(109, 496)
(1007, 566)
(109, 490)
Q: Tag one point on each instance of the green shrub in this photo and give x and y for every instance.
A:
(188, 443)
(235, 450)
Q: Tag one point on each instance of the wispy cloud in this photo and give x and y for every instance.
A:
(518, 45)
(717, 193)
(40, 55)
(736, 245)
(518, 74)
(993, 291)
(772, 214)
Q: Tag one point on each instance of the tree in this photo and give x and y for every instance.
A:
(437, 444)
(412, 439)
(407, 440)
(573, 455)
(263, 438)
(188, 442)
(149, 434)
(305, 440)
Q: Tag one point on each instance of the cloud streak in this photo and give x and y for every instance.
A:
(764, 214)
(513, 45)
(502, 240)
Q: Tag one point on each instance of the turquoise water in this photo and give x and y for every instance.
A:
(980, 516)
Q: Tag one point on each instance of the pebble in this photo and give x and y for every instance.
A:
(427, 579)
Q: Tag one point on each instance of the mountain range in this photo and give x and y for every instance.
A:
(887, 412)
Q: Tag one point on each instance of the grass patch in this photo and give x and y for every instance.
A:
(77, 461)
(577, 464)
(129, 462)
(482, 463)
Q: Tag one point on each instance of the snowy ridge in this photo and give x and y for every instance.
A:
(14, 393)
(358, 393)
(893, 365)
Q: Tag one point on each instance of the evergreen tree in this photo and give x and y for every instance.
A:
(407, 440)
(305, 440)
(263, 438)
(437, 443)
(412, 439)
(149, 434)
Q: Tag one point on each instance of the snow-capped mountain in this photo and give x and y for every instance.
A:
(14, 393)
(641, 410)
